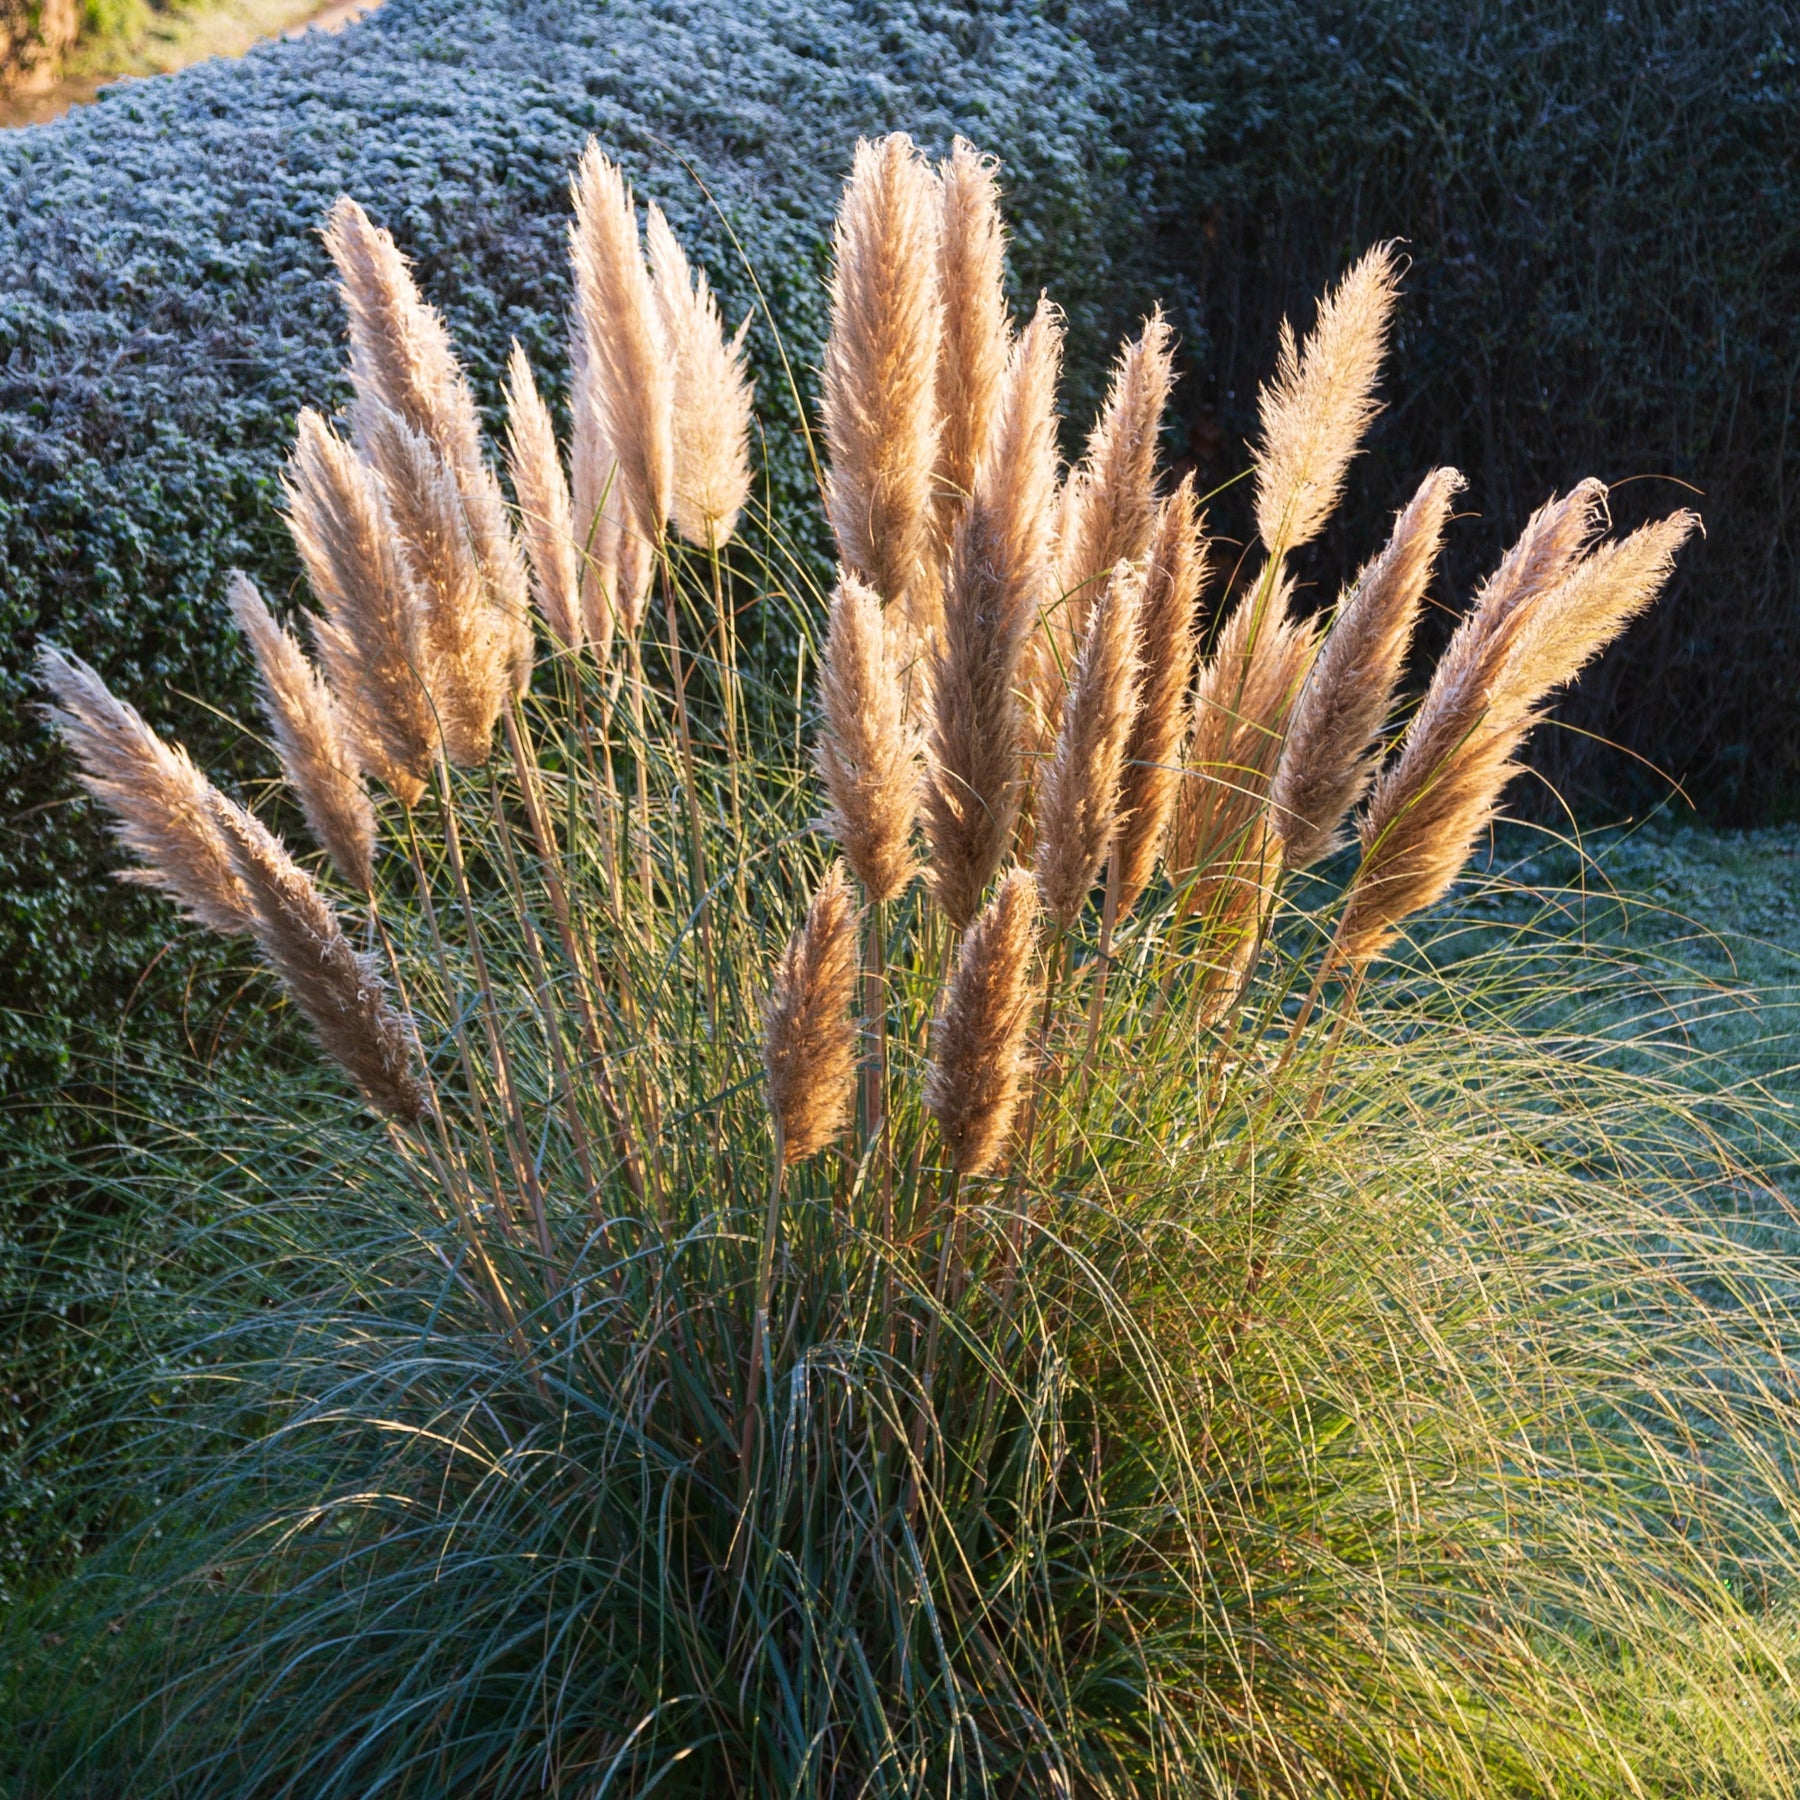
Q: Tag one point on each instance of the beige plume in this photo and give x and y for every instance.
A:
(315, 753)
(628, 362)
(980, 1042)
(976, 343)
(1329, 757)
(545, 510)
(1517, 645)
(1078, 809)
(1223, 849)
(401, 361)
(880, 376)
(1110, 506)
(593, 472)
(869, 751)
(1318, 406)
(809, 1036)
(1168, 628)
(161, 805)
(370, 637)
(712, 395)
(464, 640)
(999, 571)
(339, 990)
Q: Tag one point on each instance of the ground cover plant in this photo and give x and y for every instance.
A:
(879, 1231)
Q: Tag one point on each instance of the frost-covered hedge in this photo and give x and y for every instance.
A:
(165, 309)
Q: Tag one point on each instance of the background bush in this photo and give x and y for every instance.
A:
(1601, 199)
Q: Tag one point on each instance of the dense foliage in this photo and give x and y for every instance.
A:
(1601, 199)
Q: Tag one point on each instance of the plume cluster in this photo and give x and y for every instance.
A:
(809, 1037)
(880, 376)
(401, 363)
(369, 636)
(1543, 615)
(980, 1042)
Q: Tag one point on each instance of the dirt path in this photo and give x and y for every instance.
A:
(224, 28)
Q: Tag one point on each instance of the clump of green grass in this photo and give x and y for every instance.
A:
(776, 1325)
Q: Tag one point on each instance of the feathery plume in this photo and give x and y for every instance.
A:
(161, 805)
(315, 755)
(712, 395)
(467, 666)
(1078, 810)
(544, 505)
(973, 353)
(1168, 633)
(1110, 505)
(1329, 758)
(401, 361)
(809, 1037)
(629, 364)
(369, 637)
(999, 571)
(1318, 406)
(880, 376)
(980, 1042)
(869, 752)
(593, 471)
(339, 990)
(1222, 846)
(1516, 646)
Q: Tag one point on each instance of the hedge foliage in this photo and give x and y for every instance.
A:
(1601, 200)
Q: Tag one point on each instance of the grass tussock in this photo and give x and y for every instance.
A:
(1109, 1318)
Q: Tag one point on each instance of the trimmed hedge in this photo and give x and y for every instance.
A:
(1601, 200)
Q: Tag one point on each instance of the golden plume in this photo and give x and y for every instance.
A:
(1078, 809)
(999, 570)
(627, 360)
(1110, 506)
(544, 506)
(1223, 851)
(712, 395)
(1318, 406)
(161, 805)
(1329, 758)
(980, 1041)
(370, 635)
(976, 343)
(880, 376)
(1168, 629)
(809, 1036)
(339, 990)
(1516, 645)
(869, 751)
(315, 754)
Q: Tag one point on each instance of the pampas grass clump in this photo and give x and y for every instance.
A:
(750, 1323)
